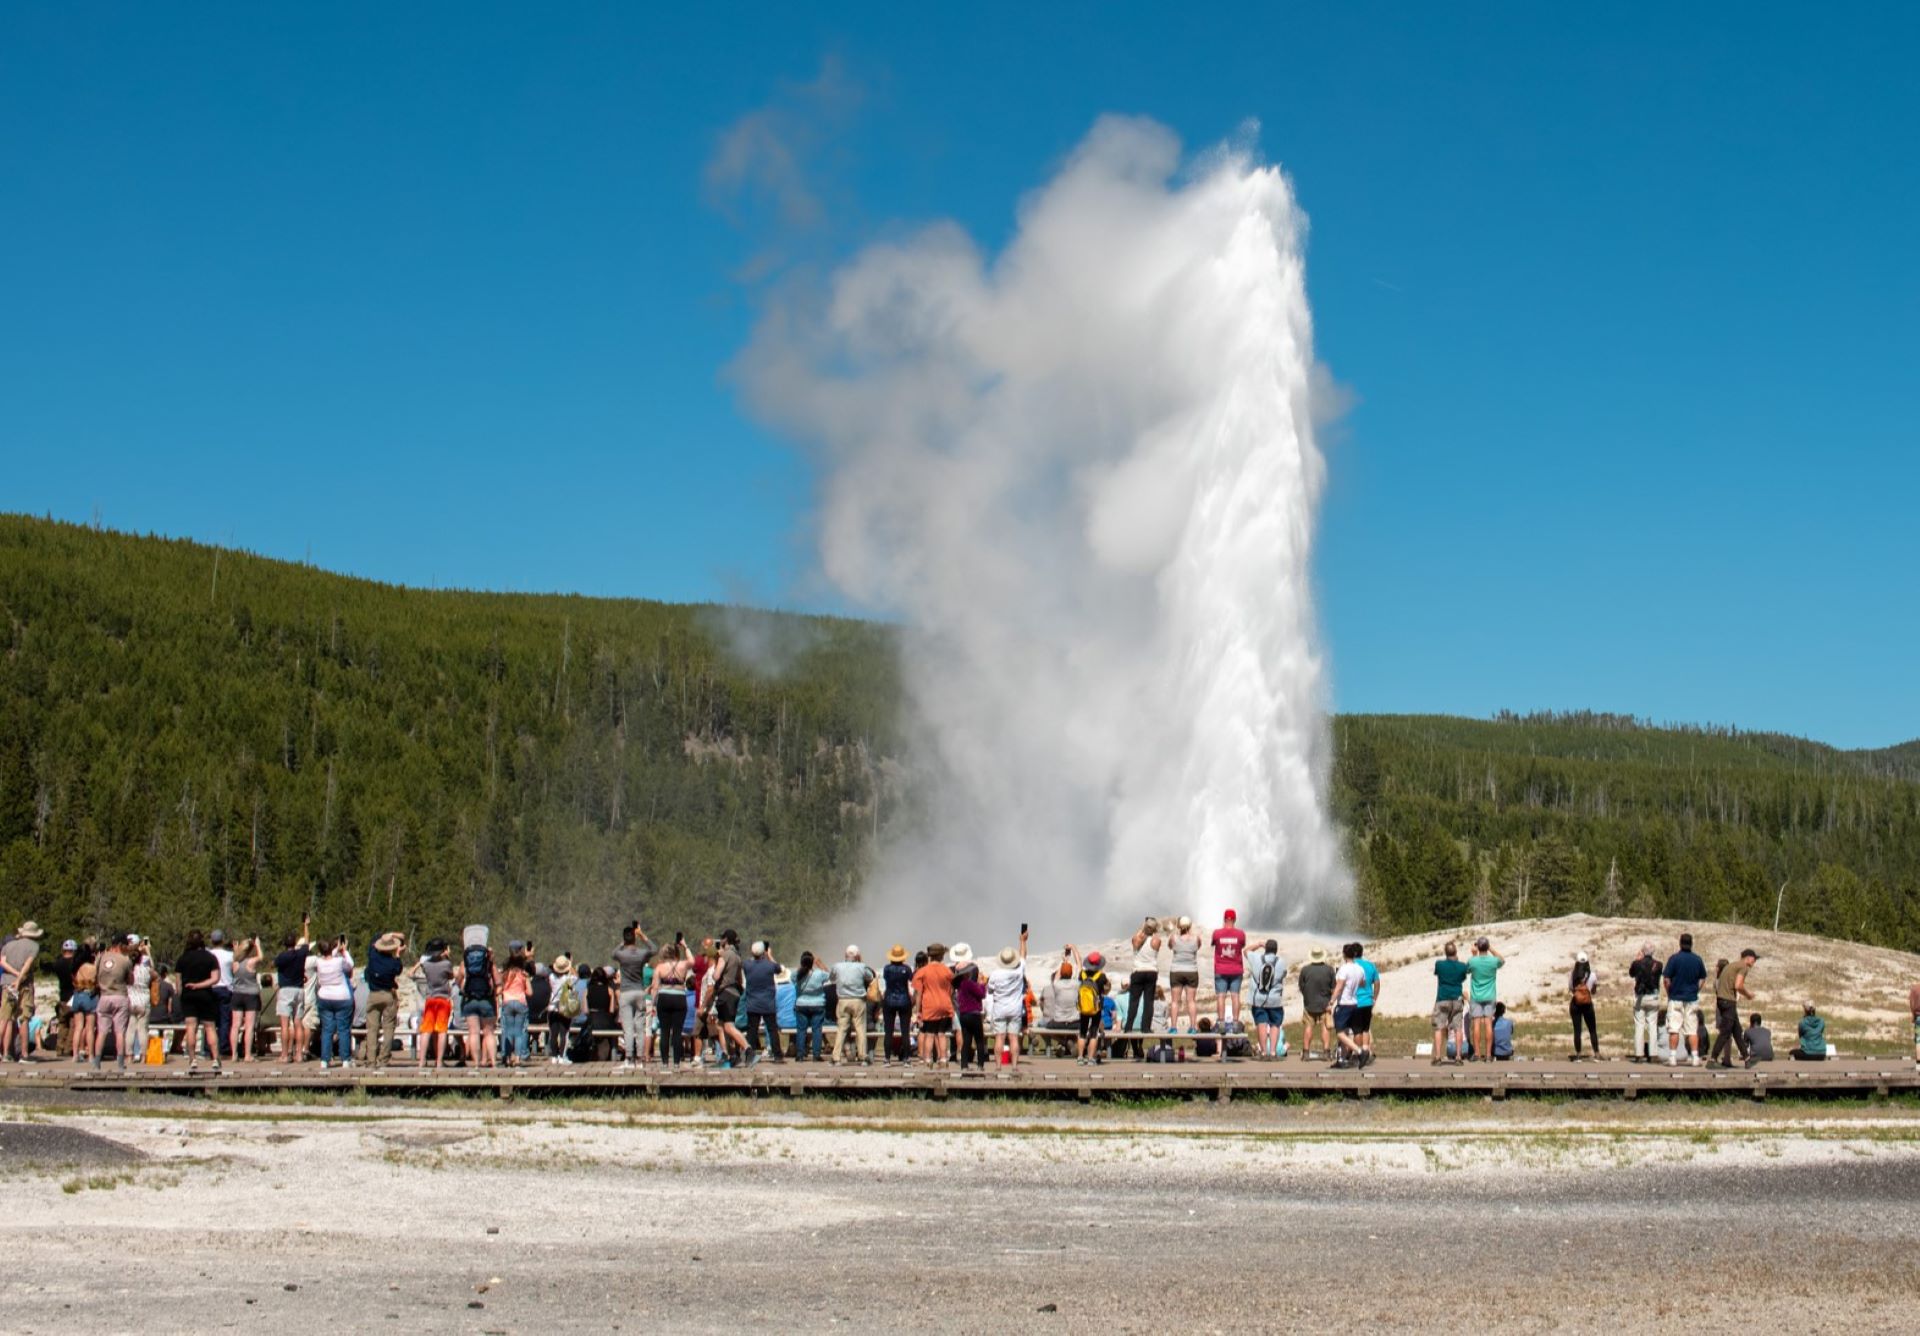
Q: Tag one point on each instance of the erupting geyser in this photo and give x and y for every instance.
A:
(1083, 473)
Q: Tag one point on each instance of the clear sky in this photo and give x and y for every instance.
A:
(441, 295)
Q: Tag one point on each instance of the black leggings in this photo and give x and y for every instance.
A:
(672, 1010)
(1140, 986)
(1731, 1036)
(756, 1019)
(1583, 1012)
(973, 1039)
(903, 1016)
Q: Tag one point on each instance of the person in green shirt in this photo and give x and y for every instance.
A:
(1448, 1007)
(1481, 968)
(1813, 1037)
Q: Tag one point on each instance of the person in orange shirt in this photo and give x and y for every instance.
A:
(933, 1004)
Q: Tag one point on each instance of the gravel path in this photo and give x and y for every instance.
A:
(465, 1222)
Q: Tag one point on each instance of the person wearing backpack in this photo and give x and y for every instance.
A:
(1268, 974)
(561, 1010)
(1581, 983)
(1094, 985)
(479, 984)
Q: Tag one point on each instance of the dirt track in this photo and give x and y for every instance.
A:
(1124, 1223)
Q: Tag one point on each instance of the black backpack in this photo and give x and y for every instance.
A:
(478, 963)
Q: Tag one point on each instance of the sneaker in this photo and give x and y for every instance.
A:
(323, 1065)
(1696, 1060)
(193, 1065)
(216, 1069)
(624, 1067)
(1752, 1062)
(564, 1061)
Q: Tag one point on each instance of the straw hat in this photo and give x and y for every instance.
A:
(390, 942)
(1318, 955)
(563, 964)
(1008, 956)
(782, 975)
(32, 931)
(962, 954)
(897, 954)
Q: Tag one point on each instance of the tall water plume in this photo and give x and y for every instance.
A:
(1083, 474)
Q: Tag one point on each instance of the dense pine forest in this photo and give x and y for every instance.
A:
(191, 735)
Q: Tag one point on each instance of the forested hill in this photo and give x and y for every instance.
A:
(191, 735)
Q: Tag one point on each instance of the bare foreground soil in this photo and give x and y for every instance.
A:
(1456, 1214)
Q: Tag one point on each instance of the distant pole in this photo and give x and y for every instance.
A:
(1779, 900)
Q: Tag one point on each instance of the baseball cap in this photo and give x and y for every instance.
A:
(69, 945)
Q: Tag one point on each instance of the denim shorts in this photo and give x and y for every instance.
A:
(1269, 1015)
(476, 1009)
(83, 1004)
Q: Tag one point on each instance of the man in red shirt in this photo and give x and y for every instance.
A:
(1229, 964)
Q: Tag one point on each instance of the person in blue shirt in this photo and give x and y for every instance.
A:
(1684, 974)
(1502, 1033)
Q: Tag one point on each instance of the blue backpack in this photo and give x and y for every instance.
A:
(478, 963)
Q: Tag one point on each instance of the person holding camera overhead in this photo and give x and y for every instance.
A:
(632, 955)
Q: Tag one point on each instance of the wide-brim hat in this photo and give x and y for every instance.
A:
(897, 954)
(390, 942)
(1008, 955)
(563, 964)
(31, 931)
(782, 975)
(1318, 955)
(962, 954)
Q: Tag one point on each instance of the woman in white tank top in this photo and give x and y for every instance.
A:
(1141, 982)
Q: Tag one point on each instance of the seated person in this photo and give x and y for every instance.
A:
(1759, 1040)
(1813, 1037)
(1502, 1033)
(1206, 1048)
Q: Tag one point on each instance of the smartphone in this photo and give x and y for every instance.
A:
(1023, 930)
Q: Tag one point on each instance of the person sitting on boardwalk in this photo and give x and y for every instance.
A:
(1060, 1005)
(1759, 1041)
(1813, 1037)
(1502, 1033)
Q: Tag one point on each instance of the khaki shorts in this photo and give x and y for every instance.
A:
(1683, 1017)
(11, 1008)
(1447, 1013)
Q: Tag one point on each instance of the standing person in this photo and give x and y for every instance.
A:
(1729, 990)
(83, 1007)
(199, 973)
(384, 967)
(1449, 1006)
(670, 979)
(1316, 1005)
(1142, 982)
(1483, 967)
(17, 959)
(333, 999)
(809, 1009)
(1346, 1005)
(1581, 983)
(223, 991)
(516, 1005)
(290, 1000)
(243, 1000)
(1229, 966)
(1913, 1005)
(1759, 1041)
(1007, 1003)
(728, 983)
(434, 972)
(1060, 1006)
(852, 977)
(1645, 973)
(1683, 974)
(142, 987)
(631, 956)
(933, 1002)
(113, 973)
(539, 1005)
(1813, 1037)
(896, 1007)
(1268, 980)
(63, 968)
(1363, 1000)
(603, 995)
(479, 980)
(561, 1009)
(1183, 973)
(760, 978)
(969, 1009)
(1094, 986)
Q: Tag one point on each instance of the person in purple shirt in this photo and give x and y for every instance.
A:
(970, 1006)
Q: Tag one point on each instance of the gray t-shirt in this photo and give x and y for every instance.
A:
(436, 978)
(1186, 952)
(632, 961)
(850, 980)
(1257, 971)
(20, 953)
(246, 981)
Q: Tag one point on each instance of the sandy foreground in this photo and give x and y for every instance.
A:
(466, 1219)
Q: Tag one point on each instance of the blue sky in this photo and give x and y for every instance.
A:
(436, 294)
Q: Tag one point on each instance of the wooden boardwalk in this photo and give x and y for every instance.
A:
(1035, 1078)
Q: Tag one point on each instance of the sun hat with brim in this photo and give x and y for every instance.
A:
(390, 942)
(1318, 955)
(563, 964)
(31, 931)
(962, 954)
(897, 954)
(1008, 955)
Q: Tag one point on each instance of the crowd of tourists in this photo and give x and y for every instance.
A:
(720, 1002)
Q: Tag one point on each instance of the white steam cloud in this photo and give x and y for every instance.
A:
(1084, 474)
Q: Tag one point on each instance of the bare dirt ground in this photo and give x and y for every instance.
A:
(1457, 1214)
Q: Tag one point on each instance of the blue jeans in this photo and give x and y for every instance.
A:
(336, 1030)
(809, 1031)
(513, 1031)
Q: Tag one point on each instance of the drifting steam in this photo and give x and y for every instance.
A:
(1083, 473)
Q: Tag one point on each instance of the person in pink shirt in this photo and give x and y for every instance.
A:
(1229, 965)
